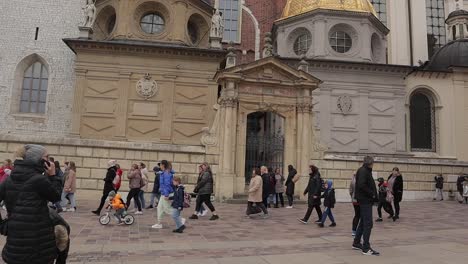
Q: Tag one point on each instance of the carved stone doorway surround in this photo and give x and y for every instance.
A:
(265, 85)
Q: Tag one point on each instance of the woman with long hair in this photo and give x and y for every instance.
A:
(204, 189)
(167, 191)
(313, 189)
(395, 185)
(290, 185)
(134, 175)
(279, 187)
(69, 188)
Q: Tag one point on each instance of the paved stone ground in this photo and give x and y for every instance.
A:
(428, 232)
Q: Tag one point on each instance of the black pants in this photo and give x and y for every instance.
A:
(105, 193)
(62, 256)
(279, 196)
(290, 199)
(357, 216)
(365, 226)
(250, 209)
(204, 198)
(309, 212)
(134, 194)
(386, 206)
(265, 201)
(396, 204)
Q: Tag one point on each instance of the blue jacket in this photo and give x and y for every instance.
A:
(165, 183)
(178, 198)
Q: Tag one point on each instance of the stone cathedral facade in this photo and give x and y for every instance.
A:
(153, 80)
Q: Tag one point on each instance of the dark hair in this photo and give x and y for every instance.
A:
(142, 165)
(117, 166)
(51, 159)
(270, 170)
(167, 165)
(278, 169)
(257, 171)
(134, 166)
(396, 169)
(57, 164)
(72, 166)
(314, 169)
(290, 167)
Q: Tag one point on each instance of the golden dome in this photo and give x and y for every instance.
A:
(297, 7)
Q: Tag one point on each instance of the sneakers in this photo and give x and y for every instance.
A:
(120, 223)
(321, 225)
(96, 212)
(332, 225)
(214, 217)
(149, 207)
(157, 226)
(138, 213)
(379, 220)
(394, 218)
(193, 217)
(370, 252)
(318, 221)
(183, 221)
(180, 230)
(289, 207)
(70, 210)
(353, 234)
(357, 246)
(204, 213)
(302, 221)
(266, 216)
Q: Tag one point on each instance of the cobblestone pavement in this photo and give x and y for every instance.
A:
(428, 232)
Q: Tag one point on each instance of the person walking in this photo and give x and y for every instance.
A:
(395, 187)
(60, 175)
(290, 185)
(167, 191)
(204, 189)
(178, 205)
(69, 188)
(30, 236)
(313, 190)
(385, 200)
(460, 181)
(255, 199)
(134, 175)
(439, 186)
(117, 182)
(144, 185)
(155, 193)
(279, 187)
(357, 209)
(271, 200)
(465, 189)
(202, 211)
(366, 195)
(108, 185)
(329, 202)
(266, 187)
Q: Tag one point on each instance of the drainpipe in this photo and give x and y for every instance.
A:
(410, 28)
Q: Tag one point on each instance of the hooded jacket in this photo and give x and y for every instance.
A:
(165, 183)
(178, 198)
(26, 192)
(329, 195)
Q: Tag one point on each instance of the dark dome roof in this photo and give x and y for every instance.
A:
(454, 53)
(459, 12)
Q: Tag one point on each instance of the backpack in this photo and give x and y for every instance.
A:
(187, 199)
(125, 205)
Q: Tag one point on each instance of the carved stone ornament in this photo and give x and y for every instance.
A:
(344, 104)
(304, 107)
(209, 136)
(146, 87)
(228, 101)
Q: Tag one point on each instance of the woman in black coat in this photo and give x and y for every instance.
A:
(31, 185)
(395, 182)
(313, 189)
(108, 185)
(290, 185)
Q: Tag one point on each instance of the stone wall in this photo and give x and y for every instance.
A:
(91, 157)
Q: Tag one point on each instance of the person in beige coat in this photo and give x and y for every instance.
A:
(255, 195)
(135, 178)
(69, 188)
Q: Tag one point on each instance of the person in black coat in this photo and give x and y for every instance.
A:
(31, 185)
(108, 185)
(460, 181)
(313, 189)
(290, 184)
(395, 184)
(156, 193)
(439, 187)
(267, 188)
(366, 195)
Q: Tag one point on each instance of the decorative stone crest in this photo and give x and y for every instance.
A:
(146, 87)
(344, 104)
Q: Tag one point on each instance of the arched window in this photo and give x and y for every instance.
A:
(422, 122)
(34, 89)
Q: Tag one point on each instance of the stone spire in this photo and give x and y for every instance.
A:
(303, 64)
(268, 46)
(457, 23)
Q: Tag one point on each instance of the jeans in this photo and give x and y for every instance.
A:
(357, 216)
(154, 195)
(290, 200)
(365, 227)
(328, 213)
(119, 213)
(438, 192)
(204, 198)
(259, 204)
(386, 206)
(141, 197)
(134, 194)
(177, 218)
(271, 199)
(279, 196)
(309, 212)
(64, 200)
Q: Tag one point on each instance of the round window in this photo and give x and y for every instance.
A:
(192, 31)
(340, 41)
(302, 44)
(152, 23)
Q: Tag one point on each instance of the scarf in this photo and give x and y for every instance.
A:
(391, 181)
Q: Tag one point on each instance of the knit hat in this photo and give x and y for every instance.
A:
(112, 194)
(111, 163)
(33, 153)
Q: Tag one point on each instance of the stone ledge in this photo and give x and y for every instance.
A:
(78, 142)
(397, 159)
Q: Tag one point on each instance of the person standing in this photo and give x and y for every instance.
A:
(255, 194)
(118, 178)
(134, 175)
(204, 189)
(313, 190)
(465, 189)
(202, 211)
(366, 195)
(167, 191)
(290, 185)
(144, 185)
(395, 186)
(60, 175)
(439, 186)
(31, 185)
(271, 200)
(69, 188)
(108, 185)
(266, 186)
(357, 209)
(155, 193)
(385, 200)
(460, 181)
(279, 187)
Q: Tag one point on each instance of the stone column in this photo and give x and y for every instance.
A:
(180, 11)
(366, 38)
(81, 86)
(319, 44)
(325, 114)
(122, 105)
(363, 120)
(123, 19)
(400, 121)
(304, 142)
(166, 109)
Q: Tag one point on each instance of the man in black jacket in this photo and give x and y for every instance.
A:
(366, 195)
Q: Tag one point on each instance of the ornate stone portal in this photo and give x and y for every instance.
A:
(266, 85)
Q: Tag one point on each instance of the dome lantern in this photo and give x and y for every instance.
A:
(298, 7)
